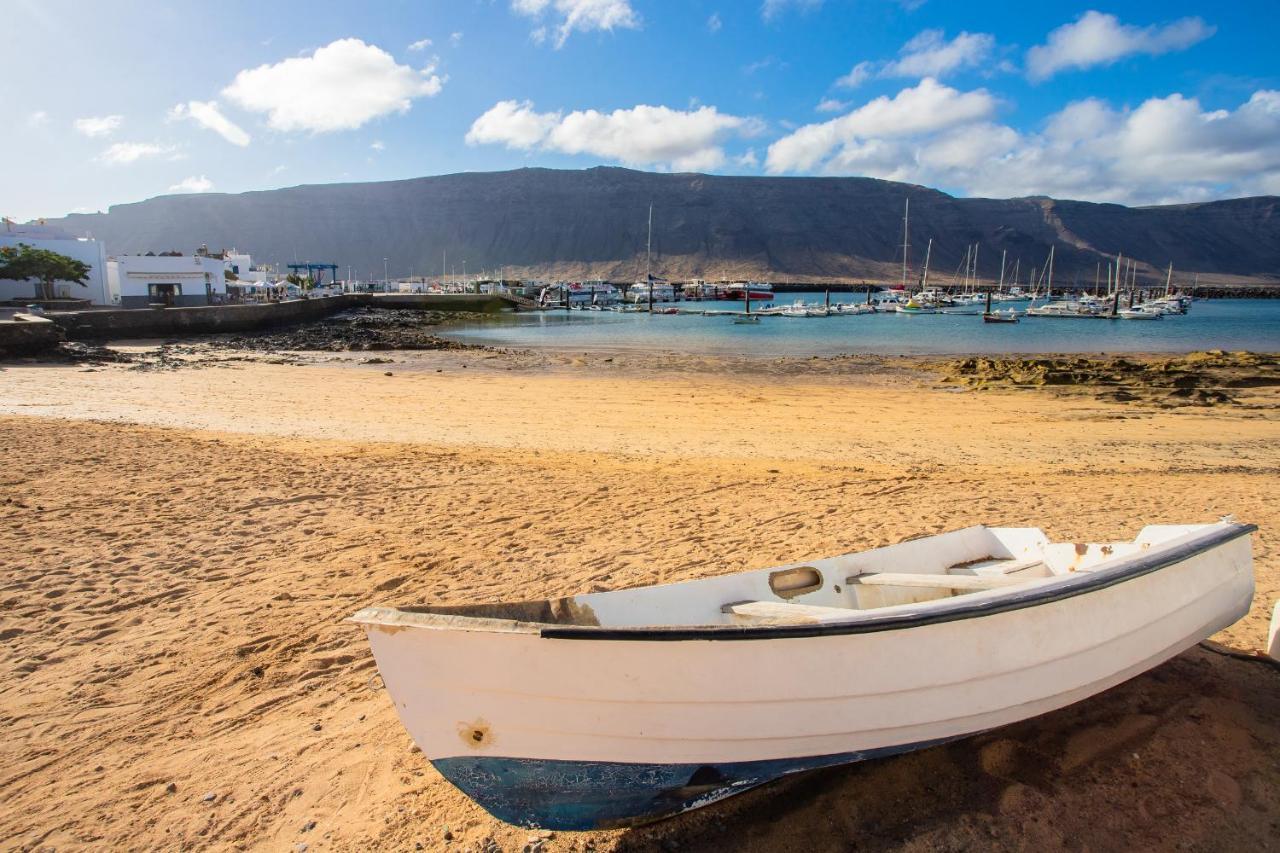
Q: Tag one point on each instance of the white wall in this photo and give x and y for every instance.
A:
(132, 274)
(91, 252)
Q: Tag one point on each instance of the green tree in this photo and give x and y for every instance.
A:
(23, 261)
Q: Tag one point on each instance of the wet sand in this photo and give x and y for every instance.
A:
(182, 547)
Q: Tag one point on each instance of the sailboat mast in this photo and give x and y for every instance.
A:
(648, 253)
(928, 250)
(1168, 279)
(906, 245)
(973, 281)
(1003, 253)
(1049, 289)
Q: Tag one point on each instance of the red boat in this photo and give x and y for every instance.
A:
(756, 289)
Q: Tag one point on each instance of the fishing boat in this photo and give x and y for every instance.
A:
(608, 709)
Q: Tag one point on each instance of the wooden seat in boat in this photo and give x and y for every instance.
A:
(783, 612)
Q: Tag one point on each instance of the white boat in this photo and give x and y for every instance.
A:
(1140, 313)
(612, 708)
(638, 293)
(853, 308)
(1071, 310)
(799, 308)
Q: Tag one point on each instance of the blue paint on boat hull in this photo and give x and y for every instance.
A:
(584, 795)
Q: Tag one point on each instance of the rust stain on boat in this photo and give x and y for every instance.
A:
(476, 735)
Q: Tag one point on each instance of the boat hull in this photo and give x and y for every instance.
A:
(574, 728)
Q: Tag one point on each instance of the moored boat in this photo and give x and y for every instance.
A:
(614, 708)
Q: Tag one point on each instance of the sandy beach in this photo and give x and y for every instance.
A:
(184, 543)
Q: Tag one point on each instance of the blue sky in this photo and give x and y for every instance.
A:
(1134, 102)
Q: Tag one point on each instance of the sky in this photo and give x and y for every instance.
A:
(1129, 102)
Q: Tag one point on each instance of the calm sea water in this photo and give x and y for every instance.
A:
(1229, 324)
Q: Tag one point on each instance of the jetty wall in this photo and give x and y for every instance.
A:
(120, 324)
(28, 335)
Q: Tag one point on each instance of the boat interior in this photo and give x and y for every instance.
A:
(974, 561)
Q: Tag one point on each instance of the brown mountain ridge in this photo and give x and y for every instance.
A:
(592, 223)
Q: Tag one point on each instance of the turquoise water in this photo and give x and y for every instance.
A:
(1229, 324)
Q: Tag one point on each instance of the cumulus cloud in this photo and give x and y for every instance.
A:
(1096, 38)
(514, 124)
(192, 184)
(832, 105)
(95, 126)
(129, 152)
(926, 108)
(563, 17)
(929, 54)
(209, 116)
(341, 86)
(685, 140)
(714, 23)
(39, 118)
(420, 44)
(377, 145)
(772, 9)
(1167, 149)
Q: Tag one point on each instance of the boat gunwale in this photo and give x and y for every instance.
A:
(964, 607)
(989, 603)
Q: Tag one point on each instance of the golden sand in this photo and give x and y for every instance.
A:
(181, 548)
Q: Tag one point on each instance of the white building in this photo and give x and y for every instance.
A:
(147, 280)
(90, 251)
(241, 266)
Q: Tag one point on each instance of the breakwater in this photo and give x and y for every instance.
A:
(121, 324)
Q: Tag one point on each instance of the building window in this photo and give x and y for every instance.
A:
(163, 293)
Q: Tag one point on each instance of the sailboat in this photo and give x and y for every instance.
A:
(912, 306)
(652, 289)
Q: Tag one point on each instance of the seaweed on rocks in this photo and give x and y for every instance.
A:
(1196, 379)
(359, 329)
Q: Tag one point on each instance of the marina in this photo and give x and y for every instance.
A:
(706, 327)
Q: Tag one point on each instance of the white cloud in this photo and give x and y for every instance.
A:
(926, 108)
(831, 105)
(514, 124)
(341, 86)
(377, 145)
(39, 118)
(1100, 39)
(566, 16)
(192, 184)
(129, 152)
(771, 9)
(420, 44)
(857, 75)
(455, 39)
(684, 140)
(747, 160)
(1165, 150)
(714, 23)
(209, 116)
(95, 126)
(929, 54)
